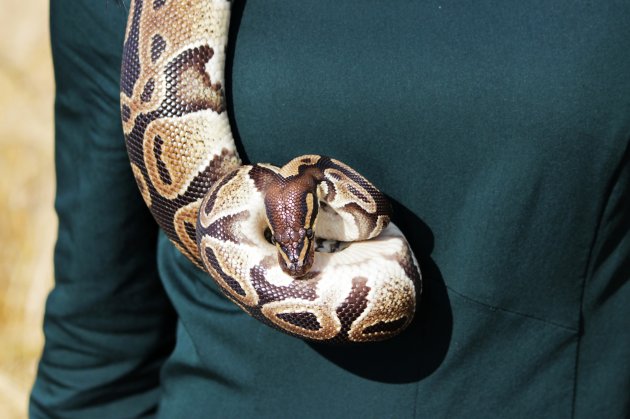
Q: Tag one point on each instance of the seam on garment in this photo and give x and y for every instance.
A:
(614, 179)
(529, 316)
(415, 404)
(259, 344)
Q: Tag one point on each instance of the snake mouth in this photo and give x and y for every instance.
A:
(296, 270)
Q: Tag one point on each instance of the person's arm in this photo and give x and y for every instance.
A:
(108, 323)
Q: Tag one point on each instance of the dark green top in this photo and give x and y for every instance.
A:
(500, 130)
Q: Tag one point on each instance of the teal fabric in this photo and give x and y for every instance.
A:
(500, 130)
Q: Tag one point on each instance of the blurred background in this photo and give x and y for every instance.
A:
(27, 219)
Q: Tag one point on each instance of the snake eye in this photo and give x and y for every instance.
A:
(309, 233)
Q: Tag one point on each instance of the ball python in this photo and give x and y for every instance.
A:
(307, 248)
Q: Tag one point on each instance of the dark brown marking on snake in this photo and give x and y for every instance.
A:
(158, 45)
(140, 182)
(385, 327)
(224, 229)
(191, 87)
(308, 173)
(357, 193)
(131, 55)
(262, 177)
(190, 231)
(330, 195)
(268, 292)
(243, 307)
(354, 208)
(383, 207)
(165, 176)
(134, 141)
(158, 3)
(353, 305)
(356, 211)
(207, 208)
(125, 112)
(407, 264)
(147, 92)
(334, 176)
(231, 282)
(220, 165)
(303, 320)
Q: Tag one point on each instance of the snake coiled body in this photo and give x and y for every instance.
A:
(307, 248)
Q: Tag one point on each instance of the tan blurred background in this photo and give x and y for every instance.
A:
(27, 219)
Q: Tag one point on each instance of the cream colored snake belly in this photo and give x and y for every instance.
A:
(307, 248)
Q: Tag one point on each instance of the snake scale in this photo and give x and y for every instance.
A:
(307, 248)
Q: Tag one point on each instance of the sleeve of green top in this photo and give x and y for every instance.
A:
(108, 323)
(603, 370)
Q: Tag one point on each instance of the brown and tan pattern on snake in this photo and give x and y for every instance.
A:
(306, 248)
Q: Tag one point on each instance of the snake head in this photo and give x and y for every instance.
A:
(291, 213)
